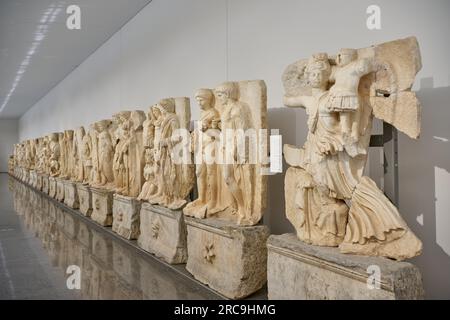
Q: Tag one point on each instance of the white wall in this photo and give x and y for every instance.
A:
(173, 47)
(9, 135)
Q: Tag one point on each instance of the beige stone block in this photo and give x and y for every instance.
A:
(39, 182)
(45, 184)
(52, 187)
(163, 233)
(102, 202)
(85, 199)
(126, 216)
(228, 258)
(296, 270)
(71, 194)
(59, 189)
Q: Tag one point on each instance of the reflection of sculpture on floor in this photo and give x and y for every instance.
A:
(328, 199)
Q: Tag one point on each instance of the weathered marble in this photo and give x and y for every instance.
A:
(33, 178)
(39, 180)
(296, 270)
(102, 202)
(126, 216)
(52, 187)
(85, 199)
(163, 233)
(230, 152)
(45, 184)
(329, 200)
(71, 194)
(59, 189)
(230, 259)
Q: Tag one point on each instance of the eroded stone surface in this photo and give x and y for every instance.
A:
(329, 200)
(296, 270)
(59, 189)
(71, 195)
(45, 184)
(39, 182)
(228, 190)
(163, 233)
(230, 259)
(52, 187)
(85, 199)
(126, 212)
(102, 202)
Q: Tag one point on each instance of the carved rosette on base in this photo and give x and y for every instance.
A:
(52, 187)
(102, 202)
(230, 259)
(163, 233)
(126, 216)
(296, 270)
(45, 184)
(85, 199)
(60, 189)
(71, 194)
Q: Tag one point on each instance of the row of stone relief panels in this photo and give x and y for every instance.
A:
(135, 172)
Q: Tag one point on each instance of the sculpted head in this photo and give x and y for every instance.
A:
(345, 56)
(102, 125)
(68, 134)
(166, 105)
(318, 71)
(227, 91)
(205, 98)
(137, 118)
(53, 136)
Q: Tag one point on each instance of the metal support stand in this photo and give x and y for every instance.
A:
(388, 140)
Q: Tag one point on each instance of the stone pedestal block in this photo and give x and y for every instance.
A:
(163, 233)
(230, 259)
(45, 184)
(33, 178)
(126, 216)
(71, 194)
(39, 181)
(26, 176)
(102, 202)
(52, 187)
(60, 189)
(296, 270)
(85, 199)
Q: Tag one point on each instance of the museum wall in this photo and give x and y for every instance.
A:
(9, 135)
(173, 47)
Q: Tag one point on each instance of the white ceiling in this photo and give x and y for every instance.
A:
(37, 50)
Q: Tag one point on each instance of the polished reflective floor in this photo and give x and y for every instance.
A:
(40, 241)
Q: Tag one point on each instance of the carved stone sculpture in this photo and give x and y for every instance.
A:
(173, 174)
(232, 186)
(86, 155)
(103, 156)
(67, 159)
(328, 199)
(55, 154)
(128, 161)
(77, 155)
